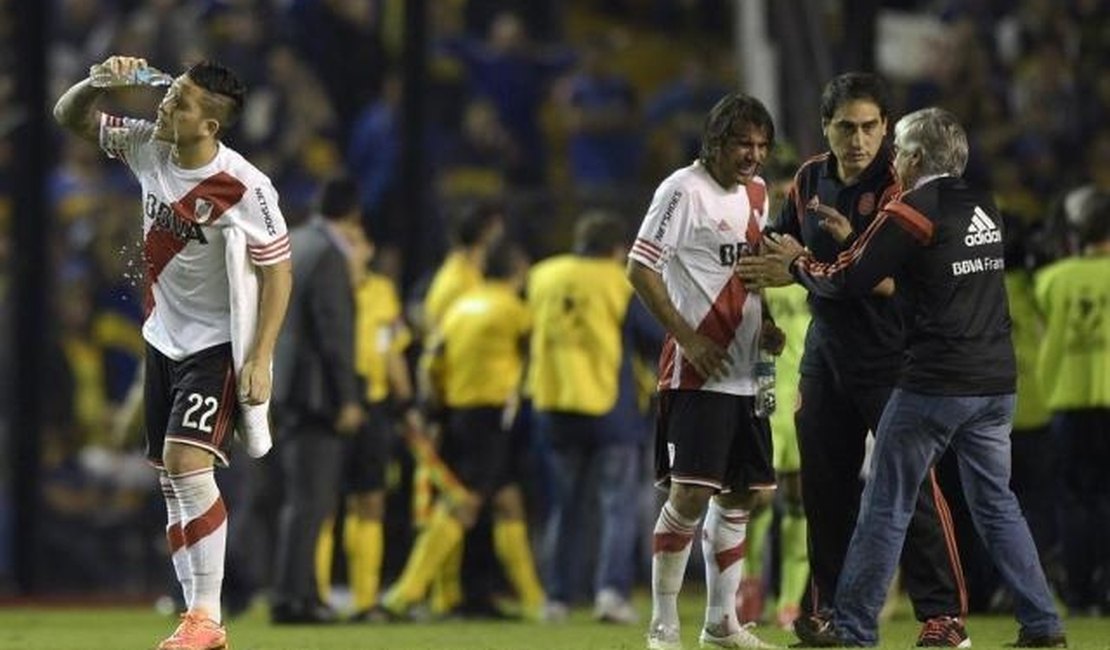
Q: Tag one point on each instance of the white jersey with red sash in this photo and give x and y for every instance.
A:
(693, 234)
(185, 214)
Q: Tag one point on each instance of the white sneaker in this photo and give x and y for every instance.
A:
(663, 637)
(611, 607)
(555, 611)
(742, 638)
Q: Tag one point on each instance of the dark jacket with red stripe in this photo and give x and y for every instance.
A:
(942, 244)
(857, 341)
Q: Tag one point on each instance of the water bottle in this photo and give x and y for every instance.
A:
(764, 385)
(103, 77)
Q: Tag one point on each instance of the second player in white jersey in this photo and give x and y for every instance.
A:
(712, 452)
(693, 233)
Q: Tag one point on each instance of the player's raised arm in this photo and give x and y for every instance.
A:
(75, 109)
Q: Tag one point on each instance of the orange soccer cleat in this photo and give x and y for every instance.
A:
(196, 632)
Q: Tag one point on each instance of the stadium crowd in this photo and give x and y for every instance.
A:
(545, 109)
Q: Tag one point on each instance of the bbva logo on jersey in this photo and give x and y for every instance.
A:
(166, 218)
(729, 253)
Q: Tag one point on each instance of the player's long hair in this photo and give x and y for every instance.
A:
(734, 111)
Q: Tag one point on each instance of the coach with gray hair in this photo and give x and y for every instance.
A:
(941, 242)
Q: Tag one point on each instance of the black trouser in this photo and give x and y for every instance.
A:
(832, 425)
(1084, 439)
(311, 455)
(1035, 482)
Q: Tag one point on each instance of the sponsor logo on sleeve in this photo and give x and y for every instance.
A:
(668, 214)
(264, 207)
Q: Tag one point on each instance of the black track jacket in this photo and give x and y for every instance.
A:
(857, 340)
(942, 244)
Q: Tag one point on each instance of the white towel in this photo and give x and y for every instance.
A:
(253, 425)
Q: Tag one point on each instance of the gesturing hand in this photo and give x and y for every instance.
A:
(833, 222)
(782, 246)
(771, 268)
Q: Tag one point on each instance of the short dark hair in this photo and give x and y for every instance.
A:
(597, 233)
(1093, 224)
(730, 113)
(471, 221)
(226, 92)
(852, 86)
(338, 197)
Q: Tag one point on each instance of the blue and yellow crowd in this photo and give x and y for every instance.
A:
(547, 109)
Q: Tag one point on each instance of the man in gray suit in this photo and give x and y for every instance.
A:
(316, 398)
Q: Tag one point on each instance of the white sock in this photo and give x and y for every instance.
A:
(723, 546)
(670, 551)
(175, 538)
(205, 528)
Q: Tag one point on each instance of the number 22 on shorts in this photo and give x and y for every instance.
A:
(199, 414)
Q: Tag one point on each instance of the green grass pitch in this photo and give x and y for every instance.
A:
(60, 628)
